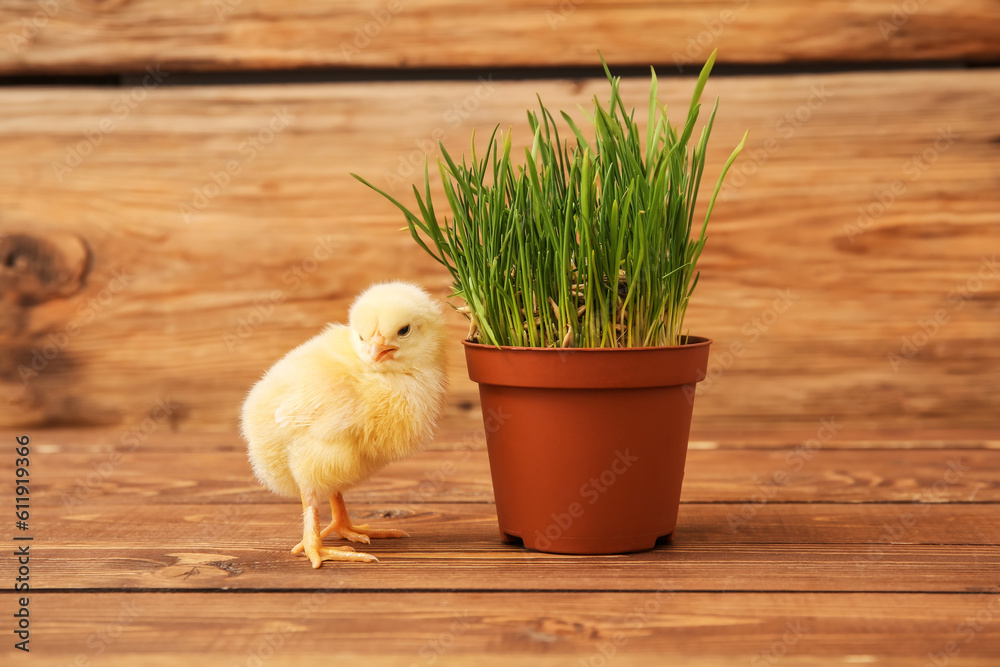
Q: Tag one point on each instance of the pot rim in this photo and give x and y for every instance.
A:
(697, 341)
(588, 368)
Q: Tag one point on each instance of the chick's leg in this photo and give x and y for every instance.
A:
(311, 538)
(342, 525)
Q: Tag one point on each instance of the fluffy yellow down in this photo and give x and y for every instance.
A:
(328, 415)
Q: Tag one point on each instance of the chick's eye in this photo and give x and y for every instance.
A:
(404, 331)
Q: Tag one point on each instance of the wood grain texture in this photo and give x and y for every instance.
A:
(889, 520)
(828, 475)
(90, 36)
(449, 628)
(823, 301)
(777, 547)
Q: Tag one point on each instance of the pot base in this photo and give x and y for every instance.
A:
(587, 546)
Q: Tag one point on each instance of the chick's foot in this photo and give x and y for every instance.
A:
(311, 542)
(355, 534)
(343, 526)
(362, 533)
(317, 554)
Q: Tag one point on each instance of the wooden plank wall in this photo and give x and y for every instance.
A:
(96, 36)
(162, 244)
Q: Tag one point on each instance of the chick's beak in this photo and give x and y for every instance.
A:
(378, 350)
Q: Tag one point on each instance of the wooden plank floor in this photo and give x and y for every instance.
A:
(876, 550)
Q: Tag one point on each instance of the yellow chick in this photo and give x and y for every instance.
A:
(345, 403)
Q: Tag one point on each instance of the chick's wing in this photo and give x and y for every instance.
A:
(320, 396)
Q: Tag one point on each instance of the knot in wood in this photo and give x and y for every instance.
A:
(35, 268)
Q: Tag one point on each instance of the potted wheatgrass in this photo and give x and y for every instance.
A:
(576, 266)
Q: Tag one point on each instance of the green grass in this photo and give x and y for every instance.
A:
(582, 243)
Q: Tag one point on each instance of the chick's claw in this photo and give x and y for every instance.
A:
(352, 536)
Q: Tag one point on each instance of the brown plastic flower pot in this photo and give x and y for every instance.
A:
(587, 446)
